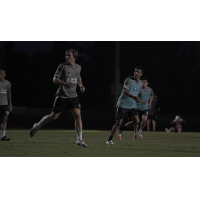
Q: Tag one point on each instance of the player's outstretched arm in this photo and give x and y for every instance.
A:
(79, 81)
(127, 93)
(57, 81)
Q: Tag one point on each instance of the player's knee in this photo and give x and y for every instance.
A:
(118, 124)
(77, 117)
(54, 116)
(137, 121)
(4, 119)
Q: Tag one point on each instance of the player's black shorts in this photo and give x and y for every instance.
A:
(152, 117)
(4, 110)
(61, 103)
(140, 113)
(122, 112)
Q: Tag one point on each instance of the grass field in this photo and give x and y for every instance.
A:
(60, 143)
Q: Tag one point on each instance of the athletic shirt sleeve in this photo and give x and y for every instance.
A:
(127, 83)
(59, 71)
(151, 92)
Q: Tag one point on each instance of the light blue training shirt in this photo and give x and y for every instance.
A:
(134, 88)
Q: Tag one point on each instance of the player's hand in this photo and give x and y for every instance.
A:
(82, 88)
(136, 99)
(149, 106)
(69, 85)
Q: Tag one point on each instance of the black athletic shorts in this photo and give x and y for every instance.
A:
(4, 110)
(122, 112)
(152, 117)
(61, 103)
(140, 113)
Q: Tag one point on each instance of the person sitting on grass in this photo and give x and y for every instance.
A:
(178, 123)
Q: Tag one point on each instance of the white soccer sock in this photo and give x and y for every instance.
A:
(3, 133)
(140, 131)
(79, 135)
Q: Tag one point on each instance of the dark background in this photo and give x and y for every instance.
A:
(173, 70)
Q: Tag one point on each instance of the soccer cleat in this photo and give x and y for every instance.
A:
(4, 138)
(166, 129)
(81, 143)
(33, 130)
(141, 136)
(135, 136)
(119, 136)
(110, 142)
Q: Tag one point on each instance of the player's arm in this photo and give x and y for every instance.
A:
(127, 93)
(151, 97)
(141, 101)
(79, 81)
(10, 101)
(57, 81)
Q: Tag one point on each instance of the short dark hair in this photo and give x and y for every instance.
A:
(3, 70)
(140, 68)
(74, 52)
(145, 79)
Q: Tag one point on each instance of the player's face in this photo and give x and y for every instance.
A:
(2, 75)
(69, 57)
(137, 73)
(144, 83)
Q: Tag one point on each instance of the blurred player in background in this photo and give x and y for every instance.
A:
(152, 113)
(146, 94)
(126, 103)
(178, 125)
(67, 77)
(5, 103)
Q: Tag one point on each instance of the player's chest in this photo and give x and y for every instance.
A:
(72, 73)
(134, 89)
(4, 86)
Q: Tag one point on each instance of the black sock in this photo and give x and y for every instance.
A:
(122, 127)
(110, 138)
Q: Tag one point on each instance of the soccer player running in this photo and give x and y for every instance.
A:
(5, 103)
(146, 94)
(67, 76)
(126, 103)
(178, 123)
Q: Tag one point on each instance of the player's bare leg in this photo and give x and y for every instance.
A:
(148, 124)
(172, 129)
(115, 128)
(142, 125)
(45, 120)
(154, 125)
(78, 126)
(144, 121)
(3, 129)
(179, 130)
(136, 128)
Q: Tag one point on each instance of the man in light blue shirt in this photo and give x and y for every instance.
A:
(127, 102)
(146, 94)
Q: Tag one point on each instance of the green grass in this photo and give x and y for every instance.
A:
(59, 143)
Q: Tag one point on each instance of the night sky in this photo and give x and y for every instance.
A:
(173, 69)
